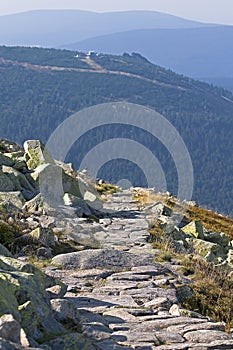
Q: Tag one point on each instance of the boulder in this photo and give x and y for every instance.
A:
(211, 251)
(100, 258)
(218, 238)
(8, 301)
(74, 341)
(67, 167)
(7, 146)
(8, 184)
(65, 311)
(78, 203)
(24, 296)
(230, 257)
(14, 198)
(48, 178)
(4, 160)
(39, 204)
(43, 236)
(17, 178)
(10, 328)
(4, 251)
(11, 264)
(15, 156)
(7, 234)
(158, 209)
(30, 318)
(194, 228)
(36, 154)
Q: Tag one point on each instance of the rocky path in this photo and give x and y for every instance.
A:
(124, 299)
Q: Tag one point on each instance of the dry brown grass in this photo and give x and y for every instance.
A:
(211, 221)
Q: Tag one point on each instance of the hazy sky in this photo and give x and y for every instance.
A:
(218, 11)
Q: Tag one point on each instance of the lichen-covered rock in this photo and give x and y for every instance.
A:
(195, 228)
(4, 160)
(12, 264)
(14, 198)
(73, 341)
(36, 154)
(7, 146)
(24, 296)
(17, 177)
(30, 318)
(230, 257)
(8, 184)
(7, 234)
(8, 345)
(211, 251)
(8, 301)
(218, 238)
(44, 236)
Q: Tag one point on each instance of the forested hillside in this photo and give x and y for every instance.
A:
(40, 88)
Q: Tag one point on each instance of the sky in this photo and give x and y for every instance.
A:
(215, 11)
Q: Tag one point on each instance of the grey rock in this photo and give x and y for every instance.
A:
(56, 291)
(10, 328)
(100, 258)
(36, 154)
(77, 202)
(5, 160)
(206, 336)
(93, 273)
(128, 276)
(65, 311)
(7, 345)
(109, 344)
(8, 184)
(217, 237)
(17, 178)
(169, 338)
(4, 251)
(72, 341)
(102, 302)
(44, 236)
(47, 221)
(96, 331)
(14, 198)
(119, 316)
(132, 338)
(182, 329)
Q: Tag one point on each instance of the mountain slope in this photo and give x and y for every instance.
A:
(51, 28)
(42, 87)
(196, 52)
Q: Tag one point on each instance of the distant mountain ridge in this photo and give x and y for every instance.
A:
(52, 28)
(196, 52)
(199, 50)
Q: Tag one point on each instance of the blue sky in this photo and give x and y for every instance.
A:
(217, 11)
